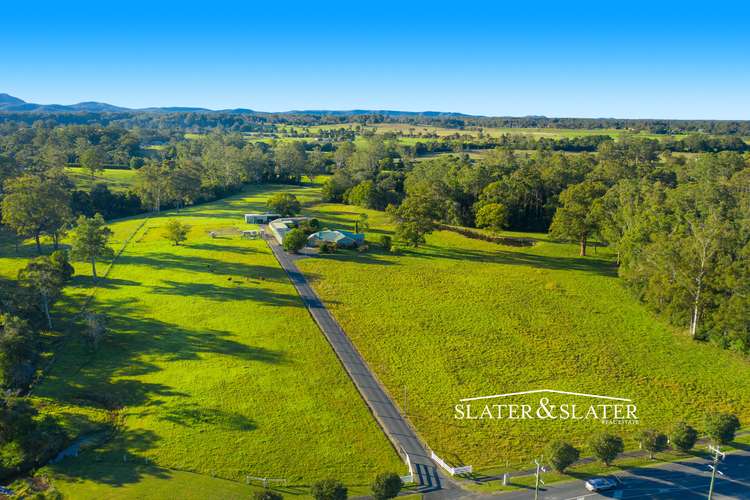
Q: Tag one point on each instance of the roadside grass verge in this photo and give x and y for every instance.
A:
(592, 469)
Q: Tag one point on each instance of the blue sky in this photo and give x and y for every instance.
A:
(587, 59)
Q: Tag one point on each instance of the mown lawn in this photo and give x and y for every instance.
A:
(211, 366)
(461, 318)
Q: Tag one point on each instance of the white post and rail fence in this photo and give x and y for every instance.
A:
(410, 477)
(453, 471)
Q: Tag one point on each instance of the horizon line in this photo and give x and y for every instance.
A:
(351, 110)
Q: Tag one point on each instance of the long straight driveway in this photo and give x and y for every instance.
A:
(387, 415)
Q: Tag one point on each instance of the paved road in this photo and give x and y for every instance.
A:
(385, 411)
(684, 480)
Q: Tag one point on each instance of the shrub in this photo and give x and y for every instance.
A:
(386, 485)
(562, 455)
(285, 204)
(721, 427)
(19, 345)
(362, 223)
(95, 329)
(175, 231)
(363, 194)
(606, 447)
(26, 438)
(386, 242)
(328, 247)
(60, 260)
(329, 489)
(684, 437)
(295, 240)
(493, 216)
(267, 495)
(310, 226)
(652, 441)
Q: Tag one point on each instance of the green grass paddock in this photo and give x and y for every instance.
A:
(117, 180)
(460, 318)
(212, 367)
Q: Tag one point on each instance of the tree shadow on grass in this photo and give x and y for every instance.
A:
(193, 263)
(135, 346)
(101, 282)
(592, 265)
(334, 220)
(115, 463)
(371, 257)
(192, 415)
(212, 247)
(343, 219)
(173, 342)
(236, 289)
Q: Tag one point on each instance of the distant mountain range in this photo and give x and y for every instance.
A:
(11, 104)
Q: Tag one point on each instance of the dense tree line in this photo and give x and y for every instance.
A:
(681, 228)
(684, 245)
(41, 146)
(370, 174)
(197, 120)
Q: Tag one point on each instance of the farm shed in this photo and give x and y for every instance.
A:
(263, 218)
(280, 227)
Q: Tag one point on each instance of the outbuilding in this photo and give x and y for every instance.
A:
(280, 227)
(263, 218)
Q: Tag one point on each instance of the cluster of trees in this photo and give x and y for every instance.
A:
(35, 206)
(458, 143)
(26, 303)
(692, 143)
(39, 199)
(25, 306)
(457, 121)
(720, 428)
(27, 439)
(370, 174)
(682, 237)
(504, 189)
(681, 228)
(44, 146)
(218, 164)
